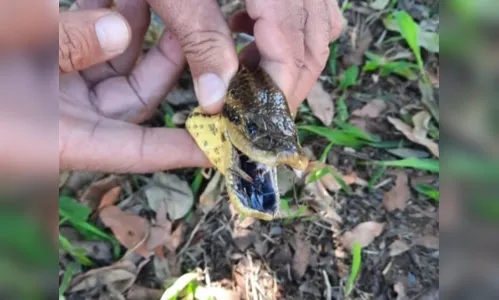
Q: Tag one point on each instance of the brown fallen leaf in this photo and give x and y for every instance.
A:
(398, 247)
(162, 234)
(130, 230)
(428, 241)
(371, 110)
(397, 197)
(418, 134)
(301, 257)
(110, 197)
(211, 193)
(93, 194)
(364, 233)
(321, 104)
(63, 177)
(120, 276)
(137, 292)
(173, 191)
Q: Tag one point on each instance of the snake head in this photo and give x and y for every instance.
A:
(259, 122)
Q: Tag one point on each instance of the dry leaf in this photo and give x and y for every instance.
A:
(110, 197)
(321, 104)
(398, 247)
(161, 234)
(174, 192)
(138, 292)
(397, 197)
(63, 177)
(120, 276)
(211, 193)
(78, 179)
(428, 241)
(180, 117)
(359, 43)
(371, 110)
(419, 133)
(301, 257)
(364, 233)
(94, 193)
(130, 230)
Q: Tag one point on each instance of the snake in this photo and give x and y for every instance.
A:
(252, 135)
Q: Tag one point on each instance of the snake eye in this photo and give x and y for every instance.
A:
(251, 128)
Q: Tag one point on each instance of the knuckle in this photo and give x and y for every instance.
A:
(73, 48)
(205, 47)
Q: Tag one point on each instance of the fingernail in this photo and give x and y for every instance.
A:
(112, 33)
(210, 89)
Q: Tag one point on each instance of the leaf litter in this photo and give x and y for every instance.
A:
(267, 264)
(397, 197)
(321, 104)
(418, 133)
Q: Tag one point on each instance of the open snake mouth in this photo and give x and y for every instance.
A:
(255, 184)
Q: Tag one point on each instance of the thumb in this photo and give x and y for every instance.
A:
(90, 37)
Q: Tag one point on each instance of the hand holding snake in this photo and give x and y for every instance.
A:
(104, 95)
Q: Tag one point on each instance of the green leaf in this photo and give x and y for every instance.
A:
(333, 55)
(196, 183)
(409, 30)
(431, 165)
(428, 190)
(319, 173)
(356, 262)
(375, 178)
(341, 110)
(66, 279)
(78, 253)
(355, 131)
(338, 137)
(402, 68)
(326, 151)
(370, 66)
(349, 77)
(178, 286)
(72, 210)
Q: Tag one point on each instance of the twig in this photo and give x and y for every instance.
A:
(328, 286)
(196, 229)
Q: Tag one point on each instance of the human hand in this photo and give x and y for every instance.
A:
(101, 105)
(291, 42)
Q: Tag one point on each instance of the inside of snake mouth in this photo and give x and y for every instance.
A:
(256, 184)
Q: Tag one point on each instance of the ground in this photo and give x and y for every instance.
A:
(392, 212)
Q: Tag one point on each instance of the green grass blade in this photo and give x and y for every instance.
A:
(375, 178)
(196, 183)
(349, 77)
(66, 279)
(431, 165)
(356, 262)
(325, 152)
(178, 286)
(342, 110)
(338, 137)
(409, 30)
(429, 191)
(333, 55)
